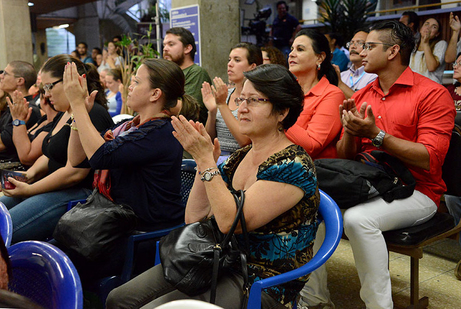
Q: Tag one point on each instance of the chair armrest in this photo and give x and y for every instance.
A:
(132, 240)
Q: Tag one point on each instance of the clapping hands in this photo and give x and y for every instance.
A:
(214, 95)
(19, 108)
(194, 138)
(76, 89)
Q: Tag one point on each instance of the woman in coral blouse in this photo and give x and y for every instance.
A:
(318, 127)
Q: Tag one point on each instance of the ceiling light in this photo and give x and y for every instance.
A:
(30, 4)
(63, 26)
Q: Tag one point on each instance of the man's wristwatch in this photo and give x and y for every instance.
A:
(18, 122)
(208, 175)
(378, 140)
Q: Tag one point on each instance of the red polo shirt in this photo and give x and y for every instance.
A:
(416, 109)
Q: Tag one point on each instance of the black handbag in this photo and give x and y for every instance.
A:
(376, 173)
(93, 228)
(193, 255)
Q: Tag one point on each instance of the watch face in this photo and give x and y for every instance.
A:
(378, 140)
(18, 122)
(207, 176)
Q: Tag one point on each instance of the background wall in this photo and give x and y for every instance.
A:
(219, 31)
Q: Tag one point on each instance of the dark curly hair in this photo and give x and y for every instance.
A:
(275, 55)
(282, 89)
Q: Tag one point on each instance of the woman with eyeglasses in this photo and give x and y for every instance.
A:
(220, 101)
(28, 142)
(318, 127)
(428, 58)
(281, 195)
(36, 205)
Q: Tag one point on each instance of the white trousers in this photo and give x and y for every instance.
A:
(363, 225)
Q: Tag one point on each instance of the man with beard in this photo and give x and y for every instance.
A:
(82, 51)
(355, 78)
(179, 47)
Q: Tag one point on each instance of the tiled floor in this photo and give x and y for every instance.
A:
(437, 280)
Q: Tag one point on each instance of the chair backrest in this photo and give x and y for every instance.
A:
(332, 217)
(452, 165)
(187, 178)
(45, 275)
(6, 225)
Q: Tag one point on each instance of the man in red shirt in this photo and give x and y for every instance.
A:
(411, 118)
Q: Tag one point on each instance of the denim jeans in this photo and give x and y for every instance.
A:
(454, 208)
(35, 218)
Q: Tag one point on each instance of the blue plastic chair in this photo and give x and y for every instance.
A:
(45, 275)
(103, 287)
(6, 225)
(332, 217)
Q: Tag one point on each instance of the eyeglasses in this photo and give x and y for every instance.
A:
(354, 43)
(250, 101)
(369, 45)
(5, 73)
(457, 64)
(48, 87)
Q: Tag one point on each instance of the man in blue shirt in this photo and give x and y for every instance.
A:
(284, 29)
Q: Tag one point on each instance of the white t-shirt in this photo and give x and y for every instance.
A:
(418, 62)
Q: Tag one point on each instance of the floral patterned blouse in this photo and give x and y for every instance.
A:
(286, 242)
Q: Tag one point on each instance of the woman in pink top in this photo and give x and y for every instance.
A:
(318, 127)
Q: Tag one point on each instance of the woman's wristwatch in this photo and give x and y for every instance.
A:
(208, 175)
